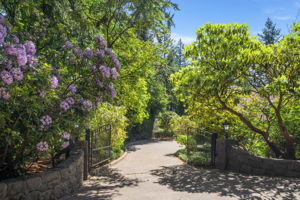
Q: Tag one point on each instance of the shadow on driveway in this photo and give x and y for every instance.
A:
(188, 179)
(103, 186)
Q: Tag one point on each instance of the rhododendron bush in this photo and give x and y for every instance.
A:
(41, 104)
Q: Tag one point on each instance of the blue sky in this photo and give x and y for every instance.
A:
(194, 13)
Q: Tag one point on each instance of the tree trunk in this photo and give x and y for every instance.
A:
(274, 148)
(289, 140)
(278, 153)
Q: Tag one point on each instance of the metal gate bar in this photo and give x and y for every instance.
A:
(205, 143)
(99, 146)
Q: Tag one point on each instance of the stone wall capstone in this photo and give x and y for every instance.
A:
(52, 184)
(242, 161)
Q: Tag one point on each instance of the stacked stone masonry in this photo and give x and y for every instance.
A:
(52, 184)
(245, 162)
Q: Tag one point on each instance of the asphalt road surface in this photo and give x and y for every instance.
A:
(150, 171)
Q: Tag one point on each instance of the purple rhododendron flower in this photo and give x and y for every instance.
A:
(116, 63)
(30, 48)
(17, 73)
(22, 60)
(54, 82)
(94, 69)
(101, 40)
(108, 51)
(73, 88)
(99, 53)
(105, 71)
(68, 45)
(11, 50)
(3, 29)
(4, 94)
(2, 19)
(87, 105)
(111, 86)
(114, 58)
(19, 52)
(6, 62)
(66, 135)
(42, 146)
(64, 105)
(113, 93)
(3, 33)
(100, 83)
(70, 100)
(113, 55)
(35, 62)
(88, 52)
(77, 51)
(46, 120)
(112, 90)
(16, 39)
(114, 73)
(6, 77)
(31, 60)
(65, 144)
(103, 43)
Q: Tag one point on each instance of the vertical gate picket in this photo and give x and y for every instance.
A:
(88, 139)
(205, 143)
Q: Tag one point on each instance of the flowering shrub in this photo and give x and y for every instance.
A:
(40, 102)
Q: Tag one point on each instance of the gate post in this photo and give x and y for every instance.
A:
(221, 153)
(214, 137)
(84, 146)
(88, 151)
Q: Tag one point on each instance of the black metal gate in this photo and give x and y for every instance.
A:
(201, 147)
(99, 146)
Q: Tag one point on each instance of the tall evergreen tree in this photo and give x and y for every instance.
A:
(270, 33)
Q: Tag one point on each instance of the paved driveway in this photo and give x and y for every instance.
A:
(150, 171)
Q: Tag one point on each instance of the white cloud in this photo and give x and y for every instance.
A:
(274, 10)
(282, 18)
(184, 38)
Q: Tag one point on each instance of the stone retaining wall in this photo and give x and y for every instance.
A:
(239, 160)
(52, 184)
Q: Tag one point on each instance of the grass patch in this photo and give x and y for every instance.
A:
(116, 154)
(196, 158)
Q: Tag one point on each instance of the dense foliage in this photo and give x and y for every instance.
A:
(255, 86)
(59, 76)
(41, 104)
